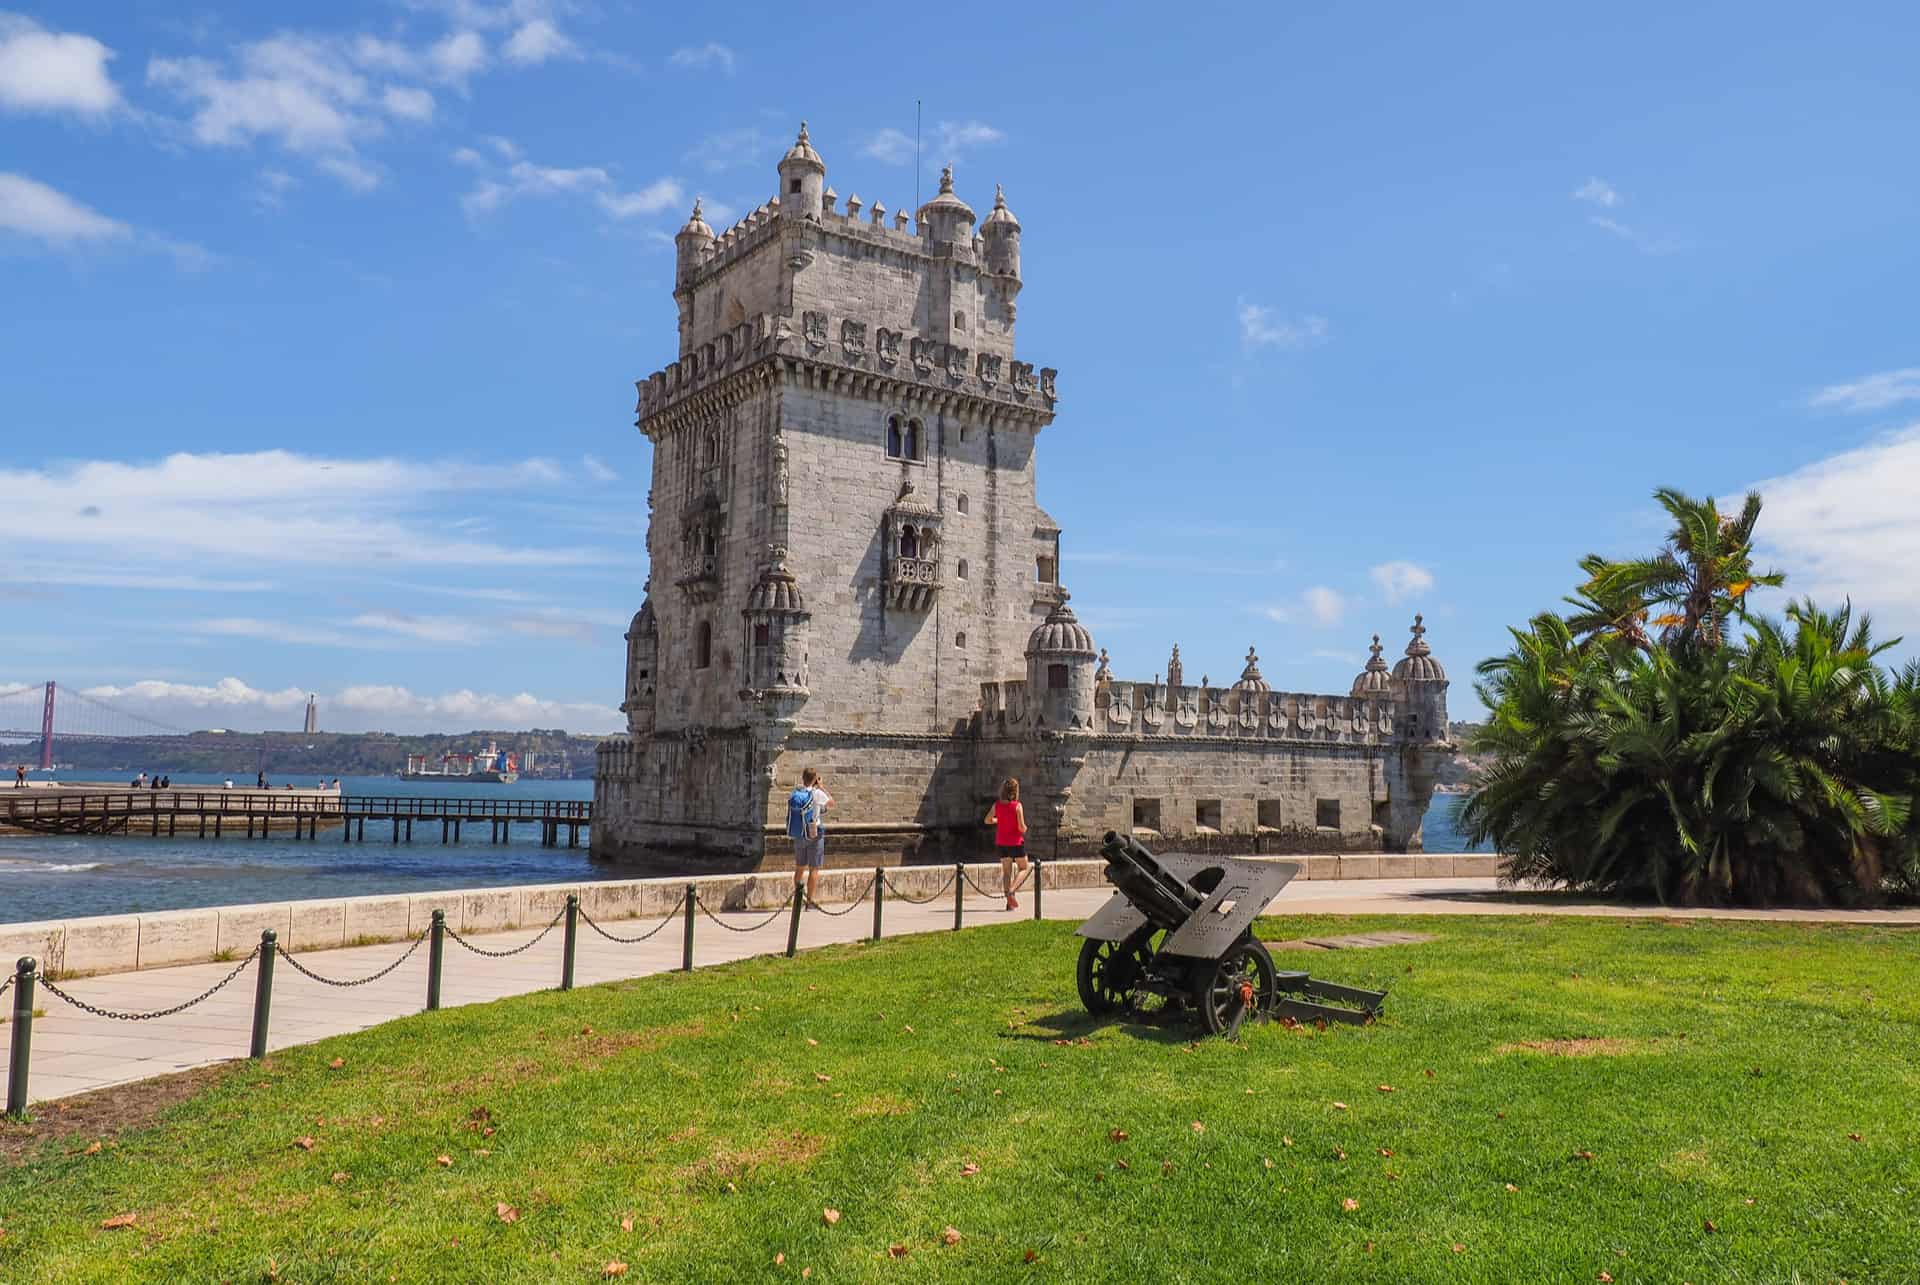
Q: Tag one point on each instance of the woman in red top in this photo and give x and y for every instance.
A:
(1009, 822)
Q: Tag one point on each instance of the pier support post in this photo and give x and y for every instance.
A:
(263, 993)
(396, 829)
(22, 1030)
(409, 829)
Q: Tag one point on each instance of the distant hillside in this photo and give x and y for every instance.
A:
(549, 753)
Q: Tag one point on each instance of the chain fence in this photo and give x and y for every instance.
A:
(851, 906)
(97, 1011)
(304, 971)
(935, 895)
(735, 928)
(666, 919)
(523, 946)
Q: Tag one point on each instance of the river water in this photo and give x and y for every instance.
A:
(61, 877)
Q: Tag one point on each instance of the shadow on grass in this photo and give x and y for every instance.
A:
(1161, 1026)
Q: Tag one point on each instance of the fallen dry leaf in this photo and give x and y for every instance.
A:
(779, 1258)
(896, 1251)
(1349, 1204)
(1118, 1135)
(823, 1078)
(1031, 1257)
(1386, 1151)
(341, 1175)
(1853, 1137)
(445, 1162)
(1121, 1164)
(1267, 1161)
(812, 1043)
(1428, 1073)
(1749, 1200)
(1285, 1141)
(1339, 1153)
(1706, 1225)
(805, 1272)
(1511, 1187)
(1605, 1278)
(1458, 1248)
(118, 1221)
(93, 1149)
(613, 1269)
(1198, 1127)
(506, 1213)
(911, 1031)
(1166, 1166)
(1384, 1088)
(586, 1030)
(1499, 1115)
(483, 1152)
(337, 1063)
(831, 1217)
(951, 1236)
(969, 1169)
(626, 1224)
(480, 1113)
(1339, 1106)
(304, 1143)
(1583, 1155)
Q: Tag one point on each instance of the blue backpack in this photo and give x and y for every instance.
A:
(802, 814)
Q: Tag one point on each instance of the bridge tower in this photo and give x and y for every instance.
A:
(46, 733)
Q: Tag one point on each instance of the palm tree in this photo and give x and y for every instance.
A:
(1705, 570)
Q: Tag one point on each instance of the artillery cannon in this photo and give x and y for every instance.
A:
(1181, 927)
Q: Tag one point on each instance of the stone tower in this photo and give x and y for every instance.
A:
(844, 537)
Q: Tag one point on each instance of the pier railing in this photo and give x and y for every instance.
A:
(121, 811)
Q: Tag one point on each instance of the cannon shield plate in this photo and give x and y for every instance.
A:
(1244, 890)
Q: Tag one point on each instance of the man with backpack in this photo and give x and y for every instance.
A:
(807, 827)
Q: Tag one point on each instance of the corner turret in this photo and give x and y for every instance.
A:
(1061, 660)
(946, 219)
(1423, 686)
(1001, 232)
(777, 619)
(1374, 681)
(643, 647)
(691, 245)
(803, 180)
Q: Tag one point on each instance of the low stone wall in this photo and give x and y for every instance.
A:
(124, 943)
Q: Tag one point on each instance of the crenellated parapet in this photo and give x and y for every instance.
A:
(907, 366)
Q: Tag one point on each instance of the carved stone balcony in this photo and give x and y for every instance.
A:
(700, 582)
(912, 583)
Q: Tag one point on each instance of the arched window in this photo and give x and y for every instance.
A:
(706, 541)
(960, 569)
(761, 634)
(960, 639)
(909, 542)
(703, 646)
(893, 437)
(912, 450)
(961, 503)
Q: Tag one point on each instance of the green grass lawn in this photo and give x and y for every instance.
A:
(1750, 1118)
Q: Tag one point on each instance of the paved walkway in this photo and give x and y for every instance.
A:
(74, 1052)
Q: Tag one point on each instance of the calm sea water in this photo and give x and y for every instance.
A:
(64, 877)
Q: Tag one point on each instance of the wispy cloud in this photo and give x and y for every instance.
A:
(710, 56)
(522, 178)
(745, 146)
(44, 71)
(1318, 605)
(1261, 327)
(1604, 196)
(597, 470)
(31, 210)
(1398, 581)
(947, 142)
(889, 146)
(536, 42)
(232, 702)
(1873, 392)
(1597, 192)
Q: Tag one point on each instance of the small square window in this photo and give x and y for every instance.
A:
(1326, 813)
(1044, 570)
(960, 639)
(760, 635)
(1273, 814)
(1056, 678)
(1146, 814)
(960, 570)
(793, 186)
(1206, 814)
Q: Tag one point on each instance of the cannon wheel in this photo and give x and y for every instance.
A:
(1242, 984)
(1109, 970)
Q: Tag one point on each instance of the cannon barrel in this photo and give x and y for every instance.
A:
(1155, 892)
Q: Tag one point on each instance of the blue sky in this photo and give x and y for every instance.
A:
(321, 321)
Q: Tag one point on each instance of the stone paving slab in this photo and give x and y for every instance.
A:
(74, 1052)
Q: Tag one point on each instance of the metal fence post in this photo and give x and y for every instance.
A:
(263, 993)
(436, 951)
(1036, 887)
(573, 929)
(959, 890)
(23, 973)
(793, 929)
(879, 895)
(686, 951)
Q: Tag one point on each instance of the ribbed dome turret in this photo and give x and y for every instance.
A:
(946, 217)
(695, 225)
(1418, 665)
(1000, 216)
(1250, 679)
(1061, 634)
(803, 153)
(643, 623)
(776, 590)
(1374, 679)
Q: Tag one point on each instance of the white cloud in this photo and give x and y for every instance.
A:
(350, 171)
(537, 42)
(1598, 192)
(732, 147)
(47, 71)
(458, 56)
(32, 209)
(363, 707)
(408, 103)
(1324, 605)
(945, 144)
(307, 510)
(1399, 581)
(1847, 527)
(597, 470)
(1260, 328)
(1874, 392)
(703, 57)
(279, 631)
(271, 191)
(433, 629)
(522, 178)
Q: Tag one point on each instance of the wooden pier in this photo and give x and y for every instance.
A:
(213, 814)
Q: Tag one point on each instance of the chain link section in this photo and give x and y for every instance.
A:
(1018, 884)
(97, 1011)
(851, 906)
(935, 895)
(734, 928)
(304, 971)
(504, 954)
(632, 941)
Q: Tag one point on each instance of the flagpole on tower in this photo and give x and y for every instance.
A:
(916, 157)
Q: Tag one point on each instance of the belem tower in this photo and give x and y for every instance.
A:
(850, 569)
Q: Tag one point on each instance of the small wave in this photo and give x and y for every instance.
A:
(45, 867)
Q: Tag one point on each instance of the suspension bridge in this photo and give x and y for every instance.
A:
(48, 712)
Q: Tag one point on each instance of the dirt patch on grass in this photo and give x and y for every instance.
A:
(727, 1164)
(1602, 1047)
(104, 1114)
(600, 1045)
(881, 1104)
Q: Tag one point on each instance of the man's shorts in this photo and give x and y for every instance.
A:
(810, 852)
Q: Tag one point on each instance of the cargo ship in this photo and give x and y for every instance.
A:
(492, 765)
